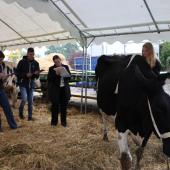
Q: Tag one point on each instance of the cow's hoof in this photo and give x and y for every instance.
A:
(105, 138)
(125, 161)
(139, 153)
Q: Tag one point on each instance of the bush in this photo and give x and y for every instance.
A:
(165, 54)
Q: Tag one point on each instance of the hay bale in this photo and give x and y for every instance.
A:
(47, 61)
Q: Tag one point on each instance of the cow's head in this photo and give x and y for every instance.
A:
(10, 83)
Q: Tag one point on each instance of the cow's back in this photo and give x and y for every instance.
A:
(108, 70)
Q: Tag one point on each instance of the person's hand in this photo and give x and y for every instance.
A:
(58, 71)
(3, 76)
(29, 75)
(36, 72)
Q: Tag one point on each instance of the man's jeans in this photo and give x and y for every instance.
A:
(7, 109)
(26, 95)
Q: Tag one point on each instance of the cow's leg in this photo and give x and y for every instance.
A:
(140, 151)
(105, 129)
(139, 155)
(125, 158)
(137, 139)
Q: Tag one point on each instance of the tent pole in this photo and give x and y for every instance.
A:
(86, 80)
(125, 49)
(14, 30)
(127, 33)
(82, 80)
(151, 15)
(73, 12)
(84, 71)
(86, 68)
(65, 15)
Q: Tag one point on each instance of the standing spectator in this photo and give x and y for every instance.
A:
(4, 103)
(27, 71)
(58, 90)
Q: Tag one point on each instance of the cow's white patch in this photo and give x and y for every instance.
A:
(123, 143)
(10, 84)
(137, 139)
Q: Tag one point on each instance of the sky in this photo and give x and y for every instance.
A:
(118, 48)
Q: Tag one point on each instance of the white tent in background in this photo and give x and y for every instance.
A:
(25, 22)
(43, 22)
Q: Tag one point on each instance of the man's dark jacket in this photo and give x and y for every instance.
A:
(1, 81)
(54, 84)
(25, 66)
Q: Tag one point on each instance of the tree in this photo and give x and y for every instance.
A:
(66, 49)
(165, 54)
(14, 56)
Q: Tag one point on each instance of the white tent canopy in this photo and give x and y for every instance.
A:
(47, 21)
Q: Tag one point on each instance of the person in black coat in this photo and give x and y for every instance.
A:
(27, 71)
(58, 90)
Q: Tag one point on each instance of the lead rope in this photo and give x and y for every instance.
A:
(157, 131)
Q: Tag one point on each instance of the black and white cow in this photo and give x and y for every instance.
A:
(129, 90)
(10, 84)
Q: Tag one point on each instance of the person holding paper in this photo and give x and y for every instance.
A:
(27, 71)
(4, 103)
(58, 90)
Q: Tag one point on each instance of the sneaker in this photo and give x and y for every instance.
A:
(21, 116)
(64, 124)
(14, 128)
(53, 125)
(30, 119)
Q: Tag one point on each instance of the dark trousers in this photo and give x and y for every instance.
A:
(59, 105)
(26, 95)
(4, 103)
(0, 123)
